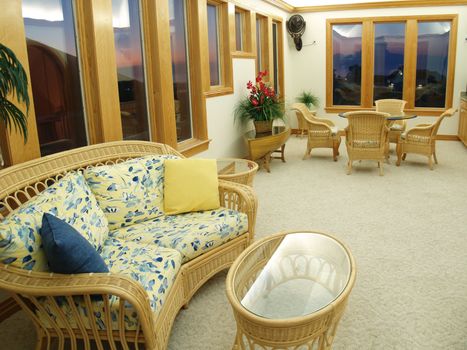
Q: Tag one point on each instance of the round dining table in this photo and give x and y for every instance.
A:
(391, 117)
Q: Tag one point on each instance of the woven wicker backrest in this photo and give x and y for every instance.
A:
(21, 182)
(366, 126)
(391, 106)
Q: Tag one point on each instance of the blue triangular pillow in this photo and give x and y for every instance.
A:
(66, 250)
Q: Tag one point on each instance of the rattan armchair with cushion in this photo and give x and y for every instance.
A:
(393, 107)
(366, 137)
(322, 133)
(302, 125)
(156, 265)
(422, 140)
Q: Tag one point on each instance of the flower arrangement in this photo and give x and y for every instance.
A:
(261, 104)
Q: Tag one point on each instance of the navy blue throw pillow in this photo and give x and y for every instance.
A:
(66, 250)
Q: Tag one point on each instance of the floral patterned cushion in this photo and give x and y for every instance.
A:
(154, 267)
(69, 199)
(129, 192)
(192, 234)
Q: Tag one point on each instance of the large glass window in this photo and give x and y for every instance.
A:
(55, 78)
(214, 51)
(389, 60)
(347, 63)
(180, 69)
(130, 69)
(275, 57)
(259, 51)
(239, 37)
(432, 63)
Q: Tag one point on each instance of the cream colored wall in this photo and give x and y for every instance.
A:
(307, 69)
(227, 137)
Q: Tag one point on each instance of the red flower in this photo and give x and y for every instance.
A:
(253, 90)
(249, 85)
(258, 78)
(254, 101)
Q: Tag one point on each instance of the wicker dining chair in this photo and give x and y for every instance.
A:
(302, 125)
(322, 133)
(393, 107)
(366, 137)
(422, 140)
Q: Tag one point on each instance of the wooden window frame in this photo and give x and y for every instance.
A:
(248, 33)
(264, 43)
(410, 61)
(225, 59)
(280, 56)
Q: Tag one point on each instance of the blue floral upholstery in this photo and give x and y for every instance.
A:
(155, 268)
(191, 234)
(69, 199)
(129, 192)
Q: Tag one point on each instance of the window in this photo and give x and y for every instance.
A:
(277, 59)
(389, 61)
(262, 54)
(180, 69)
(214, 47)
(239, 31)
(130, 69)
(55, 74)
(410, 58)
(432, 63)
(347, 64)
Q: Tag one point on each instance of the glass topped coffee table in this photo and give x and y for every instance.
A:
(290, 290)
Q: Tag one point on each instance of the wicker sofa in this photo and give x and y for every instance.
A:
(68, 310)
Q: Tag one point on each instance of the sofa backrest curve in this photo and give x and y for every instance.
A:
(21, 182)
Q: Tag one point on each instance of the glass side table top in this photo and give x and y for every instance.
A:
(227, 166)
(303, 273)
(251, 134)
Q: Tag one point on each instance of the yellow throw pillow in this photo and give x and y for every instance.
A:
(190, 185)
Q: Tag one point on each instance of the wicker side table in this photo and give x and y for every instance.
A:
(289, 291)
(237, 170)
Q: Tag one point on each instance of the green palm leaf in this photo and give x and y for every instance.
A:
(13, 80)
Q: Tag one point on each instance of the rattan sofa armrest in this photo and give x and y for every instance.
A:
(241, 198)
(420, 130)
(42, 284)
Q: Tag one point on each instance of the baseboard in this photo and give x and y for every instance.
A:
(438, 137)
(8, 307)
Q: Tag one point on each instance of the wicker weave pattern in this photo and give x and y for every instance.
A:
(393, 107)
(22, 182)
(313, 332)
(422, 140)
(366, 128)
(320, 132)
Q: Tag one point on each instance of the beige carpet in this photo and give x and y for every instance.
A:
(407, 231)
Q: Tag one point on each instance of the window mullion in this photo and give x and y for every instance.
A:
(368, 52)
(410, 62)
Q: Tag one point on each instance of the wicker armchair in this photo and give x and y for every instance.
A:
(366, 137)
(322, 133)
(393, 107)
(43, 296)
(302, 125)
(422, 140)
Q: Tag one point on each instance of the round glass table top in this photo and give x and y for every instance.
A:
(391, 117)
(301, 274)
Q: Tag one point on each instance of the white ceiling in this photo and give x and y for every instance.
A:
(327, 2)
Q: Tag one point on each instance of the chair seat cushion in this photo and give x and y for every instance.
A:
(397, 127)
(129, 192)
(155, 268)
(69, 199)
(366, 143)
(192, 234)
(415, 138)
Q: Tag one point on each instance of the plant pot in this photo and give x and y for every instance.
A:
(263, 126)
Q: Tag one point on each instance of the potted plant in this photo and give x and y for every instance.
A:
(13, 80)
(308, 99)
(261, 105)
